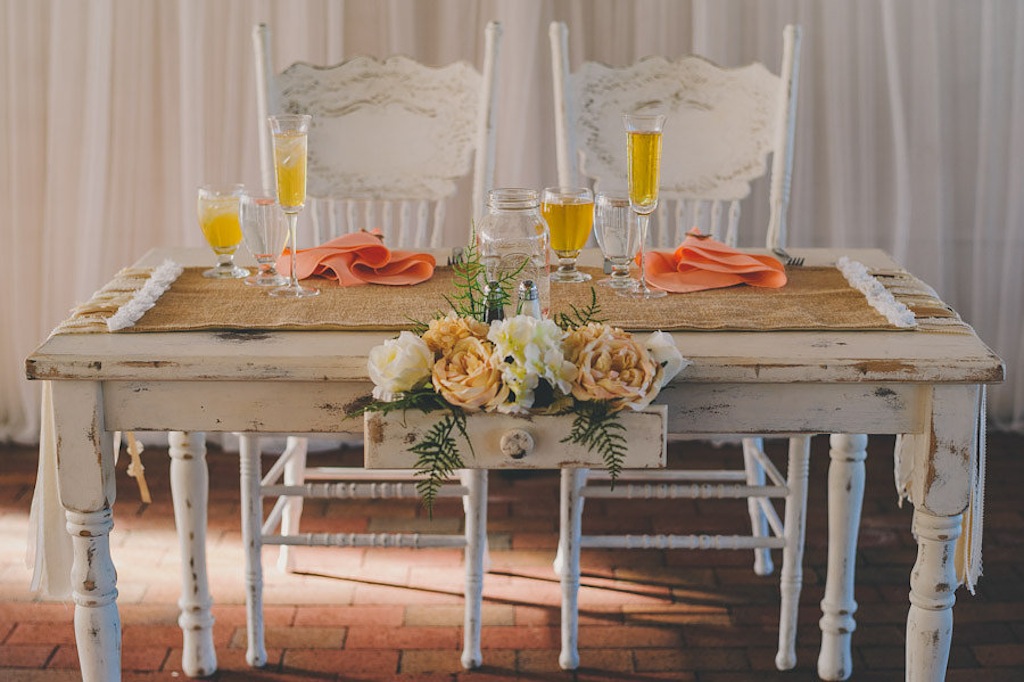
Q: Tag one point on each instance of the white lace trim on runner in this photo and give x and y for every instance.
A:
(879, 298)
(146, 297)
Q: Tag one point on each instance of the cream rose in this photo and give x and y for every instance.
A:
(468, 376)
(399, 365)
(613, 366)
(443, 333)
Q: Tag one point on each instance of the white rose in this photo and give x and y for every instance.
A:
(664, 352)
(399, 365)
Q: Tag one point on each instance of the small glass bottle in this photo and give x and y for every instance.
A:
(529, 300)
(495, 309)
(513, 238)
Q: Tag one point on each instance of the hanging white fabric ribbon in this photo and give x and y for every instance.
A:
(968, 546)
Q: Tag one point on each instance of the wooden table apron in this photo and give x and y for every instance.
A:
(896, 382)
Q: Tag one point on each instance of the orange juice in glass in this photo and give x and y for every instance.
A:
(290, 166)
(291, 132)
(644, 154)
(569, 213)
(643, 166)
(217, 210)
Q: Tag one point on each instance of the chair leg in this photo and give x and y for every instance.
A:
(794, 526)
(758, 522)
(294, 474)
(568, 561)
(476, 544)
(846, 473)
(252, 522)
(190, 485)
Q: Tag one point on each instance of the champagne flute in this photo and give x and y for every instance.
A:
(569, 213)
(643, 149)
(618, 234)
(217, 209)
(265, 232)
(291, 132)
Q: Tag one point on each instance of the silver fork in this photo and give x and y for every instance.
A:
(790, 261)
(457, 256)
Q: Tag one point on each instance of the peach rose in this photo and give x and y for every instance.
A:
(469, 377)
(443, 333)
(612, 366)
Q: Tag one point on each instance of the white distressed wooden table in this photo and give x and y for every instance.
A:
(751, 382)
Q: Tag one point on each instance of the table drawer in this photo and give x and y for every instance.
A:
(504, 441)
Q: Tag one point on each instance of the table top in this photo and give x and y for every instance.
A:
(325, 356)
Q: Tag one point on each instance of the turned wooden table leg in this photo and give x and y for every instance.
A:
(476, 547)
(933, 583)
(93, 584)
(189, 492)
(944, 456)
(570, 530)
(85, 470)
(845, 498)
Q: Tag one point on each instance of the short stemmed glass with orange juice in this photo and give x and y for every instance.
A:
(291, 132)
(643, 151)
(217, 210)
(569, 213)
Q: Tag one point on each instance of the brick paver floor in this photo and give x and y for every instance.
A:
(396, 614)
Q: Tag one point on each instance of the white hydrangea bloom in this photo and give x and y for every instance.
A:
(530, 350)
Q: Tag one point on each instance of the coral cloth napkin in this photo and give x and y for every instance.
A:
(360, 258)
(701, 263)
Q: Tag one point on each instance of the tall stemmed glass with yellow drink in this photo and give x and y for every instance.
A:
(569, 213)
(290, 134)
(217, 210)
(643, 152)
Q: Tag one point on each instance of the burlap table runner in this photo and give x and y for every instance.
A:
(814, 298)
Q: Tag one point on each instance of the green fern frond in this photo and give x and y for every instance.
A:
(596, 427)
(467, 277)
(438, 456)
(580, 317)
(424, 399)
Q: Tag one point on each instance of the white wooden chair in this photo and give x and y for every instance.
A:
(722, 124)
(388, 142)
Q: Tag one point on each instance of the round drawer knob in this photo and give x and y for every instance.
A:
(516, 443)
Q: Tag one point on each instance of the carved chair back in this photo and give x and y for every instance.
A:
(389, 139)
(721, 126)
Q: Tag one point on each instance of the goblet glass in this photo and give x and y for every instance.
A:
(217, 209)
(617, 229)
(569, 213)
(264, 231)
(291, 132)
(643, 151)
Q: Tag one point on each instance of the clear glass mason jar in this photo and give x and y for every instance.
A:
(513, 236)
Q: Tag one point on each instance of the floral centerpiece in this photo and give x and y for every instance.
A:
(573, 364)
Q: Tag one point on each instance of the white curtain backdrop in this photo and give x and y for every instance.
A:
(910, 130)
